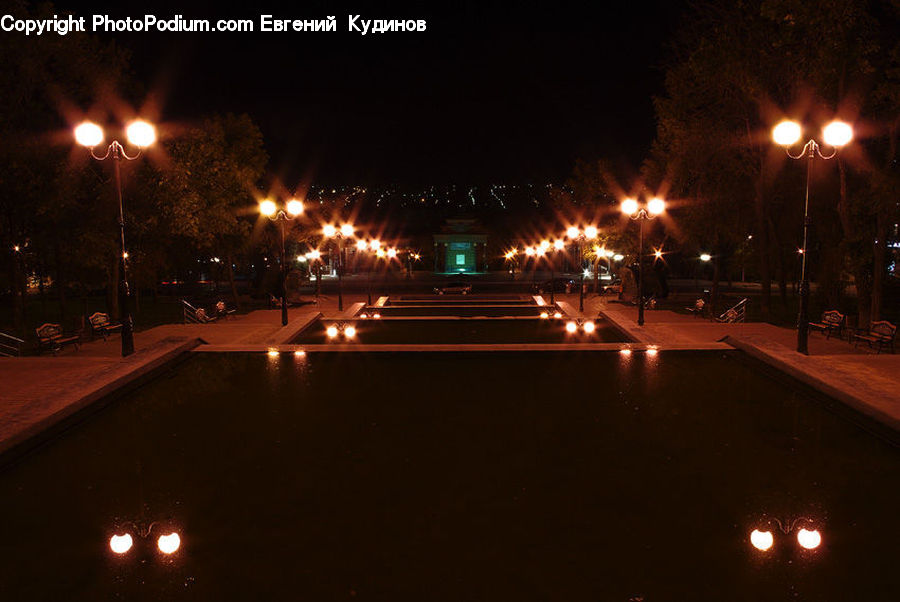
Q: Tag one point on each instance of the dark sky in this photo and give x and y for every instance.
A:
(487, 94)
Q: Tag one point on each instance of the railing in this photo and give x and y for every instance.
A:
(190, 313)
(738, 313)
(10, 346)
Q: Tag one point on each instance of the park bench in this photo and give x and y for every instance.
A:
(222, 310)
(879, 335)
(100, 325)
(698, 309)
(195, 315)
(51, 337)
(832, 322)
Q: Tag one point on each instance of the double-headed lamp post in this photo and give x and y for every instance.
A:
(141, 135)
(292, 210)
(787, 133)
(580, 235)
(630, 207)
(340, 235)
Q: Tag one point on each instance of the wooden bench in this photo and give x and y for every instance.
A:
(101, 325)
(832, 322)
(51, 337)
(880, 335)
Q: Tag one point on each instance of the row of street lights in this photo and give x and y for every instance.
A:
(141, 134)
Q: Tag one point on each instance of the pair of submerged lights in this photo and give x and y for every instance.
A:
(334, 330)
(588, 327)
(167, 544)
(764, 540)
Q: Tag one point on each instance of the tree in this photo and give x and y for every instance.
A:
(208, 191)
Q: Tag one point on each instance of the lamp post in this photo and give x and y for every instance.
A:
(580, 235)
(787, 133)
(314, 258)
(630, 207)
(140, 134)
(339, 235)
(544, 250)
(292, 210)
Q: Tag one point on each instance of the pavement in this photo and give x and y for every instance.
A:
(42, 393)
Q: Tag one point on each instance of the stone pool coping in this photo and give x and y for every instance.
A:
(27, 424)
(858, 382)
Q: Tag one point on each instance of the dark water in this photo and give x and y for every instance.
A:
(456, 331)
(481, 476)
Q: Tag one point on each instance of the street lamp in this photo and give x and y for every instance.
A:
(787, 133)
(630, 207)
(543, 250)
(339, 235)
(292, 210)
(581, 235)
(141, 135)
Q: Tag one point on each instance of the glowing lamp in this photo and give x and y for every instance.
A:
(545, 244)
(656, 206)
(314, 254)
(559, 245)
(589, 327)
(657, 254)
(294, 207)
(376, 315)
(571, 326)
(787, 133)
(267, 208)
(350, 332)
(332, 332)
(544, 315)
(625, 352)
(273, 353)
(572, 232)
(301, 258)
(363, 316)
(652, 351)
(629, 206)
(705, 257)
(299, 353)
(392, 253)
(375, 244)
(810, 540)
(329, 230)
(347, 230)
(120, 543)
(557, 315)
(837, 133)
(361, 245)
(529, 251)
(618, 257)
(761, 540)
(140, 133)
(590, 232)
(88, 134)
(168, 544)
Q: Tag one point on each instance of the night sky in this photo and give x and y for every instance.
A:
(487, 94)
